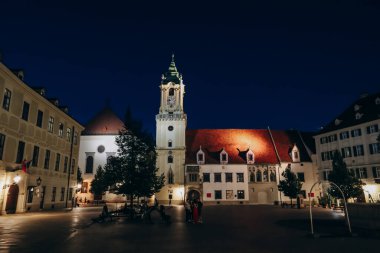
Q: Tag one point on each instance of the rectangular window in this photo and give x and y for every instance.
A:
(30, 194)
(60, 130)
(217, 177)
(68, 134)
(372, 129)
(57, 162)
(224, 157)
(326, 175)
(229, 194)
(240, 194)
(72, 167)
(70, 193)
(356, 132)
(40, 116)
(193, 177)
(200, 157)
(206, 177)
(47, 159)
(25, 111)
(65, 164)
(323, 140)
(346, 152)
(218, 194)
(2, 143)
(374, 148)
(363, 173)
(7, 99)
(75, 138)
(51, 124)
(228, 177)
(36, 153)
(20, 152)
(301, 176)
(376, 172)
(239, 177)
(62, 194)
(333, 138)
(344, 135)
(53, 193)
(358, 150)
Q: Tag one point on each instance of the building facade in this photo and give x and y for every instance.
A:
(97, 143)
(354, 133)
(224, 166)
(39, 144)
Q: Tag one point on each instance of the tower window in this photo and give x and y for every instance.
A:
(170, 177)
(170, 128)
(170, 144)
(89, 164)
(7, 99)
(171, 92)
(170, 159)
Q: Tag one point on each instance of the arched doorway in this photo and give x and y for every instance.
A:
(12, 199)
(193, 194)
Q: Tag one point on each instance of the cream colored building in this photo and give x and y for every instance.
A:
(36, 129)
(354, 134)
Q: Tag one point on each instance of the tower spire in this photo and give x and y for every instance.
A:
(172, 75)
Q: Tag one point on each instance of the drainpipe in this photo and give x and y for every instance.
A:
(70, 164)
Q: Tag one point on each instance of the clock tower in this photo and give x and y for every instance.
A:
(170, 136)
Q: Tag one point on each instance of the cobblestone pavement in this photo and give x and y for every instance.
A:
(225, 229)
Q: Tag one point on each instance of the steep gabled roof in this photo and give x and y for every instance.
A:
(106, 122)
(236, 142)
(367, 107)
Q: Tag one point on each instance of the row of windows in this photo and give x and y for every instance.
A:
(229, 194)
(262, 176)
(35, 158)
(346, 134)
(40, 115)
(89, 168)
(357, 150)
(228, 177)
(358, 172)
(62, 193)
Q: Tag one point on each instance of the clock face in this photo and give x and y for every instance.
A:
(171, 100)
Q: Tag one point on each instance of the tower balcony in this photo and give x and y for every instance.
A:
(171, 117)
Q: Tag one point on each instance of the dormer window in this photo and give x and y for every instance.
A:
(223, 157)
(358, 115)
(295, 154)
(356, 108)
(250, 157)
(200, 156)
(377, 101)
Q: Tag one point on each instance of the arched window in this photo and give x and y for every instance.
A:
(272, 176)
(252, 176)
(170, 159)
(265, 175)
(170, 143)
(89, 164)
(258, 176)
(171, 92)
(170, 176)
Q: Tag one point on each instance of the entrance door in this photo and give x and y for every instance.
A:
(192, 195)
(262, 198)
(12, 199)
(42, 197)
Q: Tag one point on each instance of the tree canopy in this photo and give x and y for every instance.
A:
(290, 185)
(346, 180)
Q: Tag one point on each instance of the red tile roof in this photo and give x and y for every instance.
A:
(236, 143)
(106, 122)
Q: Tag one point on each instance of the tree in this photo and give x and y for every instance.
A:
(291, 185)
(99, 184)
(133, 170)
(346, 180)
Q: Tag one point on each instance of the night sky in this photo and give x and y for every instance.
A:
(283, 64)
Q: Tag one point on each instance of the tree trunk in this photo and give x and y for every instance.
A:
(291, 202)
(131, 211)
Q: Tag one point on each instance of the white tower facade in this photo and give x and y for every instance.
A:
(170, 136)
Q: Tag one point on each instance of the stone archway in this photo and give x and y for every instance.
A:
(193, 194)
(12, 199)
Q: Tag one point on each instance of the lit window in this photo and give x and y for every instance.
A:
(60, 130)
(229, 194)
(51, 124)
(7, 99)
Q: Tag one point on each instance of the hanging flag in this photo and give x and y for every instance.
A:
(25, 165)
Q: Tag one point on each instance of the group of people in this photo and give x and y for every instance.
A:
(193, 209)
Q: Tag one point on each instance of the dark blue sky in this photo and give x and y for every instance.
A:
(283, 64)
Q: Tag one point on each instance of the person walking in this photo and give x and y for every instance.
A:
(195, 212)
(200, 205)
